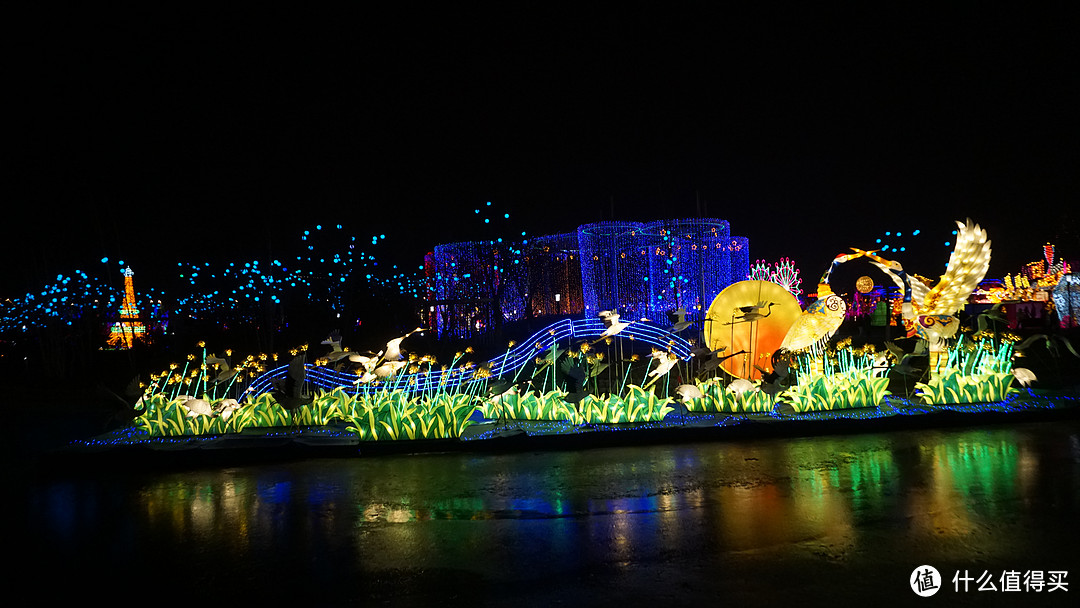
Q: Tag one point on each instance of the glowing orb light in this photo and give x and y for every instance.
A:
(749, 320)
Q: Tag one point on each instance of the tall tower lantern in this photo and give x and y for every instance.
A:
(129, 328)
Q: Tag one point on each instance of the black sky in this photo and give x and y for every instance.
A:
(189, 135)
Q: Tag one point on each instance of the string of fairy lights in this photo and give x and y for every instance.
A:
(328, 265)
(640, 269)
(644, 269)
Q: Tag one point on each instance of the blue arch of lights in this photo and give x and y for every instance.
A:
(504, 365)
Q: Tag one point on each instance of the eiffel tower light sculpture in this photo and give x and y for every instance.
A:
(129, 328)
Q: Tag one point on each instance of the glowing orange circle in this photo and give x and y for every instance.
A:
(749, 320)
(864, 284)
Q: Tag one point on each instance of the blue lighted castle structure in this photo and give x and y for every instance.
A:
(639, 269)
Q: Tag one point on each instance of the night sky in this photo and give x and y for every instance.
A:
(216, 135)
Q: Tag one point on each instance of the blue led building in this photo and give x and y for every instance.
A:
(614, 268)
(689, 263)
(466, 280)
(553, 266)
(740, 258)
(640, 270)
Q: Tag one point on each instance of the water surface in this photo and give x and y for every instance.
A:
(806, 520)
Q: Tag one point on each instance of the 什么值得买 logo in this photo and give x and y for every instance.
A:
(925, 581)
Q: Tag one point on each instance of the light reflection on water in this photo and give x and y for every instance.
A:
(840, 496)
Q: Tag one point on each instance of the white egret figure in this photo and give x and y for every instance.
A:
(336, 352)
(367, 362)
(685, 392)
(388, 369)
(752, 313)
(198, 407)
(665, 361)
(1024, 376)
(224, 372)
(366, 377)
(612, 323)
(740, 386)
(393, 347)
(226, 408)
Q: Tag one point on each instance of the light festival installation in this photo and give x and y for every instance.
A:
(1036, 281)
(787, 276)
(535, 380)
(75, 301)
(516, 357)
(783, 273)
(468, 283)
(930, 313)
(327, 267)
(1047, 271)
(689, 263)
(614, 267)
(820, 320)
(747, 322)
(476, 286)
(1067, 300)
(129, 328)
(760, 271)
(554, 268)
(643, 270)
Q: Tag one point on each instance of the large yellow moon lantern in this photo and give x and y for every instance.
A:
(749, 320)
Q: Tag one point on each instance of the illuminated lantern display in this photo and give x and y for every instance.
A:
(467, 286)
(864, 284)
(821, 319)
(760, 271)
(930, 313)
(787, 276)
(129, 328)
(739, 249)
(640, 270)
(1067, 300)
(749, 320)
(689, 263)
(783, 273)
(817, 323)
(646, 270)
(614, 268)
(554, 269)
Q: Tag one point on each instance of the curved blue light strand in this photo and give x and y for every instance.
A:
(646, 331)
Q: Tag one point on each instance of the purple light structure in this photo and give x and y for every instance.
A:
(614, 268)
(739, 246)
(554, 269)
(466, 274)
(641, 270)
(478, 286)
(689, 264)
